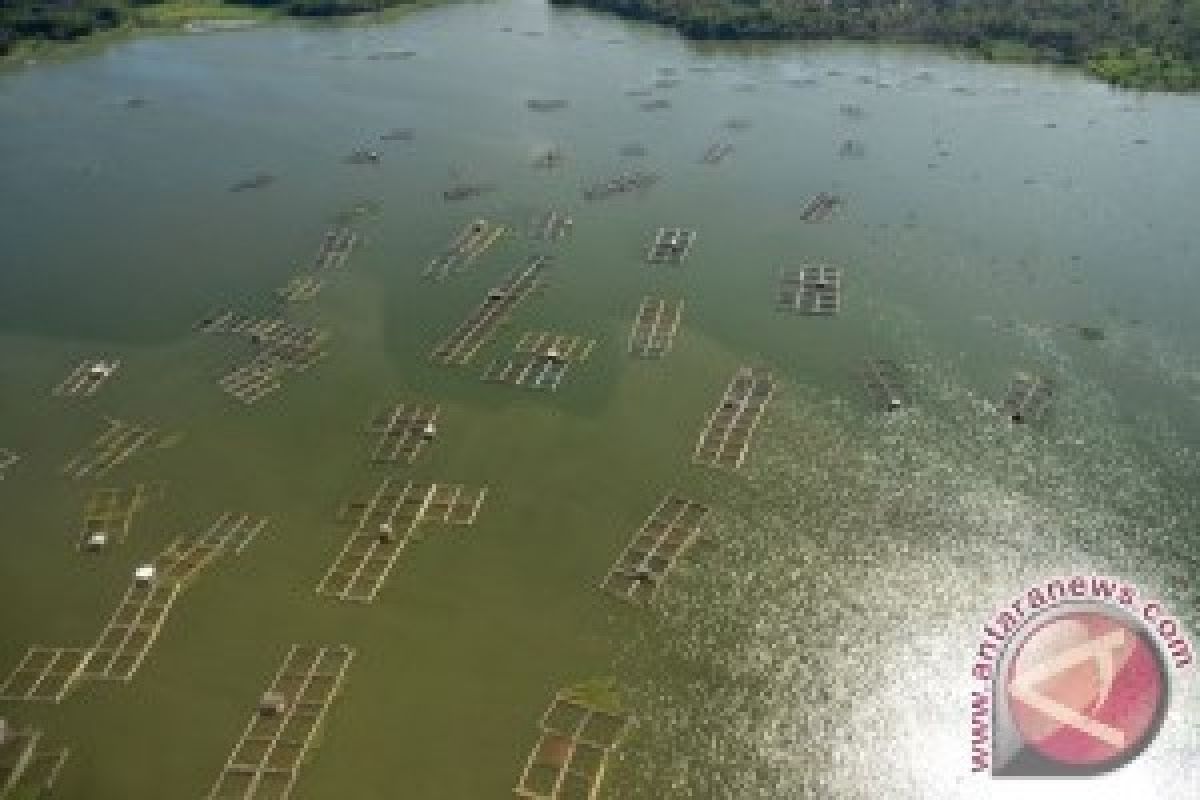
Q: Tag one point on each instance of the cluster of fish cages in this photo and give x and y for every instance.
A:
(642, 568)
(86, 378)
(625, 183)
(266, 760)
(114, 446)
(384, 524)
(716, 153)
(49, 673)
(467, 246)
(283, 347)
(571, 755)
(814, 290)
(28, 767)
(726, 435)
(542, 360)
(462, 345)
(820, 207)
(885, 384)
(1028, 398)
(550, 226)
(336, 246)
(652, 334)
(401, 431)
(671, 246)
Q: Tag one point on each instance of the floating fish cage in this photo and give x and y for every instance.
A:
(542, 360)
(87, 377)
(28, 768)
(466, 191)
(571, 755)
(402, 431)
(885, 384)
(109, 513)
(671, 246)
(1028, 398)
(661, 104)
(116, 445)
(284, 726)
(725, 438)
(814, 290)
(820, 207)
(716, 153)
(550, 158)
(462, 345)
(468, 245)
(550, 226)
(642, 567)
(653, 331)
(624, 183)
(556, 104)
(384, 524)
(398, 135)
(7, 459)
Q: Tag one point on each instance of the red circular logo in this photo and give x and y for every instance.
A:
(1086, 688)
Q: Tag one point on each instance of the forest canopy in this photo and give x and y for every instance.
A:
(1149, 44)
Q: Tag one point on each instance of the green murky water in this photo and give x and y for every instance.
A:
(822, 648)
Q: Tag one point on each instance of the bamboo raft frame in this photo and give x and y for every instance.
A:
(1028, 398)
(110, 511)
(727, 433)
(111, 448)
(402, 431)
(570, 758)
(716, 153)
(87, 378)
(266, 760)
(24, 762)
(462, 345)
(543, 360)
(885, 383)
(7, 459)
(671, 246)
(384, 525)
(653, 331)
(130, 632)
(665, 537)
(467, 246)
(45, 674)
(813, 290)
(820, 207)
(550, 226)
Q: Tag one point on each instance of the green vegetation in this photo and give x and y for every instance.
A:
(25, 25)
(1145, 44)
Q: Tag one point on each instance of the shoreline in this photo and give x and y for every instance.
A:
(182, 18)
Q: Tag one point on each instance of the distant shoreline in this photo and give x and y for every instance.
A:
(194, 17)
(1125, 59)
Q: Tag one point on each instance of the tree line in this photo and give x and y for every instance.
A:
(1151, 44)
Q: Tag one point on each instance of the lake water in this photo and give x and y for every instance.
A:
(822, 647)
